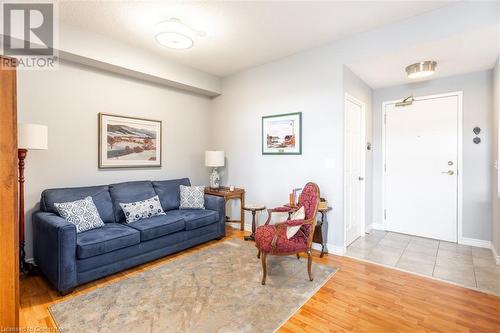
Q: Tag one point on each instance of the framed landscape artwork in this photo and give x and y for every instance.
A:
(127, 142)
(282, 134)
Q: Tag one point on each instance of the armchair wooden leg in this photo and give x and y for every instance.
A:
(309, 264)
(298, 256)
(258, 255)
(264, 268)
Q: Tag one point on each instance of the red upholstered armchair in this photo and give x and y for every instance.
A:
(272, 239)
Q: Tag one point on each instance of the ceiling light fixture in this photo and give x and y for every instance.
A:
(421, 69)
(175, 34)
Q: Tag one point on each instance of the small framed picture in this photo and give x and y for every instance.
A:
(282, 134)
(128, 142)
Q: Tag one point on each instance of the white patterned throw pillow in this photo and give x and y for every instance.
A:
(192, 197)
(300, 214)
(143, 209)
(82, 213)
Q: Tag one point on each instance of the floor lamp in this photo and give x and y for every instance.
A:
(29, 137)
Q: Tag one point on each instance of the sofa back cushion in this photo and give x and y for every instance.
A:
(169, 193)
(100, 195)
(129, 192)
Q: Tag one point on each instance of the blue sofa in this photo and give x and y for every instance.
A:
(69, 259)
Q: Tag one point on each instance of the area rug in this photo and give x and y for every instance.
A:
(216, 289)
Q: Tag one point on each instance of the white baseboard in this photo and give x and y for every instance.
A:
(330, 248)
(377, 226)
(496, 255)
(368, 228)
(236, 225)
(475, 242)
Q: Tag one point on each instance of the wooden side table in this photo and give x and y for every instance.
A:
(238, 194)
(318, 232)
(254, 209)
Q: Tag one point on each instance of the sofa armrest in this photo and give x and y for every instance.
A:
(213, 202)
(54, 243)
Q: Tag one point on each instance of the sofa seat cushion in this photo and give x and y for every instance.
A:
(196, 218)
(110, 237)
(158, 226)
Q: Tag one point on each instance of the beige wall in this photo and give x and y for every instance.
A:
(68, 101)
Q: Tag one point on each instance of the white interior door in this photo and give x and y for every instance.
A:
(354, 169)
(421, 159)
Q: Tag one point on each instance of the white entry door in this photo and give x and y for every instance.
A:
(421, 166)
(354, 169)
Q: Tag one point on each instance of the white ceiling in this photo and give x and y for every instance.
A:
(470, 52)
(239, 34)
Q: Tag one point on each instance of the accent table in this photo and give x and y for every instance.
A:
(238, 194)
(254, 209)
(318, 233)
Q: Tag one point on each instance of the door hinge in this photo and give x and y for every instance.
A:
(385, 118)
(385, 167)
(385, 214)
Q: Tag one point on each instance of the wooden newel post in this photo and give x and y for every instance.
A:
(9, 230)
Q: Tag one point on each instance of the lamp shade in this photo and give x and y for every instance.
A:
(214, 158)
(32, 136)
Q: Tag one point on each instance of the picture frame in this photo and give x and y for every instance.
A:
(282, 134)
(129, 142)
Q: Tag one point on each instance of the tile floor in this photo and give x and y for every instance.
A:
(465, 265)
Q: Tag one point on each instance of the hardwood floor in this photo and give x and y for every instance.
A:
(360, 297)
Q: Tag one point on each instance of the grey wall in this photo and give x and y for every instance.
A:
(312, 82)
(358, 89)
(68, 101)
(299, 83)
(477, 159)
(495, 148)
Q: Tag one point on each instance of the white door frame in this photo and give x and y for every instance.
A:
(362, 105)
(459, 94)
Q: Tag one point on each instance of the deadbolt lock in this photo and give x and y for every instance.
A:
(450, 163)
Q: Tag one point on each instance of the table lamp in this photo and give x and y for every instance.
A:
(29, 137)
(214, 159)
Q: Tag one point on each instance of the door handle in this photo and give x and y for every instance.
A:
(360, 178)
(449, 172)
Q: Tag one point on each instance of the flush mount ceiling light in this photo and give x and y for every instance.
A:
(421, 69)
(175, 34)
(174, 40)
